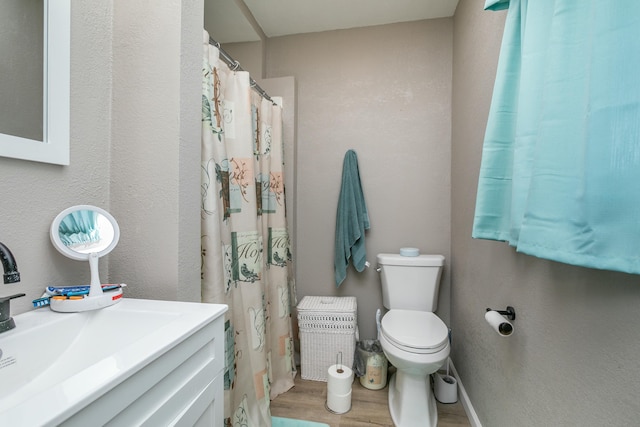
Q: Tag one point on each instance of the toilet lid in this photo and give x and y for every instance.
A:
(418, 331)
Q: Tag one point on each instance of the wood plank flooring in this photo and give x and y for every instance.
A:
(306, 401)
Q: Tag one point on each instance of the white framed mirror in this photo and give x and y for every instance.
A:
(53, 147)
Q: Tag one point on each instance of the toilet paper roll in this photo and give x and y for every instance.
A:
(499, 323)
(339, 380)
(339, 403)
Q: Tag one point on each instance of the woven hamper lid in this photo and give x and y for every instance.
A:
(328, 304)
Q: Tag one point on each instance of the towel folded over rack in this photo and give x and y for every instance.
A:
(352, 219)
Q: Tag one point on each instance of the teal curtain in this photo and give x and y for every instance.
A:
(560, 172)
(79, 227)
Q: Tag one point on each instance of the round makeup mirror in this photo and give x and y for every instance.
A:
(84, 229)
(85, 233)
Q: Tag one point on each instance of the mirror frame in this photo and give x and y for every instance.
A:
(54, 147)
(54, 233)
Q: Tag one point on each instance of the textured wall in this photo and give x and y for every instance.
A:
(573, 359)
(249, 55)
(155, 167)
(385, 92)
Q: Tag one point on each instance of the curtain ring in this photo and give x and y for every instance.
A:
(236, 65)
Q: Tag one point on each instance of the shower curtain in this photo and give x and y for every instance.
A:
(561, 157)
(245, 244)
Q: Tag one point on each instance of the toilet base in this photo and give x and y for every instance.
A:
(411, 401)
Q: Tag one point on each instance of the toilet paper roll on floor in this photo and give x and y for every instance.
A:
(339, 382)
(339, 404)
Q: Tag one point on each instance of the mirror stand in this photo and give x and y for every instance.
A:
(86, 233)
(95, 300)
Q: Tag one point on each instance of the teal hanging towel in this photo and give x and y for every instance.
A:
(560, 171)
(352, 219)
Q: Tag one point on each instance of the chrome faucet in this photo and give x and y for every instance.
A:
(11, 275)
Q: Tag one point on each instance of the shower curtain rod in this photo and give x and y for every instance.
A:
(235, 66)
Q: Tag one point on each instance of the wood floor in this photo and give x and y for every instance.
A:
(307, 399)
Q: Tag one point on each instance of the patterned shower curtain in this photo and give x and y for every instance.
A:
(245, 244)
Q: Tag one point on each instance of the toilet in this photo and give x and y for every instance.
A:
(413, 338)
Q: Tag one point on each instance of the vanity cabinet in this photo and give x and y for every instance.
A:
(182, 387)
(136, 363)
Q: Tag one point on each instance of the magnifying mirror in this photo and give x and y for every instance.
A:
(86, 233)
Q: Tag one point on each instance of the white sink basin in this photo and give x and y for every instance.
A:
(52, 365)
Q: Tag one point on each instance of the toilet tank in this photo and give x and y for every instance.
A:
(410, 283)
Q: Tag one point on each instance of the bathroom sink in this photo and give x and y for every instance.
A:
(52, 365)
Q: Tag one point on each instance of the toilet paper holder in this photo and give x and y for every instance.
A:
(509, 313)
(339, 363)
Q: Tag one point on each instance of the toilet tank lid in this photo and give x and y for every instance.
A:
(420, 260)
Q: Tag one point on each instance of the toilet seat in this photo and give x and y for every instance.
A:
(415, 331)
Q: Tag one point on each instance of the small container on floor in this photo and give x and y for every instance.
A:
(445, 388)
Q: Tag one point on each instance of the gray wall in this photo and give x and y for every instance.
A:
(135, 150)
(155, 166)
(385, 92)
(573, 359)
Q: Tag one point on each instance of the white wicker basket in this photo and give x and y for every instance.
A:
(327, 327)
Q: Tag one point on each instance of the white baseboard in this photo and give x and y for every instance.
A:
(464, 398)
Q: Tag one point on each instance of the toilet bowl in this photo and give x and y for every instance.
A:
(413, 338)
(417, 344)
